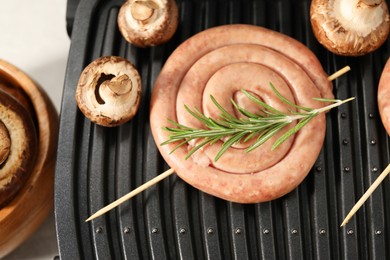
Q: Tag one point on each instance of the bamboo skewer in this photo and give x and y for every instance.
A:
(339, 73)
(131, 194)
(167, 173)
(366, 195)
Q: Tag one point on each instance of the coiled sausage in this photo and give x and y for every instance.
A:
(219, 62)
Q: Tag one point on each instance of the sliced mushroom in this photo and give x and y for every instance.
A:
(148, 22)
(19, 94)
(350, 27)
(109, 91)
(5, 143)
(18, 146)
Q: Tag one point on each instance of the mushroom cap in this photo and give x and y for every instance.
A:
(154, 30)
(109, 91)
(349, 27)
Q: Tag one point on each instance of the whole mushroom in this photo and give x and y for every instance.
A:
(350, 27)
(109, 91)
(147, 23)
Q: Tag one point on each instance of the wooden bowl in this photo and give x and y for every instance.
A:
(32, 204)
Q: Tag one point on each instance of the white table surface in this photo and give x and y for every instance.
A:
(33, 37)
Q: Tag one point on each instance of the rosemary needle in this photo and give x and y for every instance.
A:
(234, 130)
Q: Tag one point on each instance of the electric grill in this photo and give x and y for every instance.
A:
(172, 220)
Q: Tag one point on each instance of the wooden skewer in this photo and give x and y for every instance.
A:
(170, 171)
(131, 194)
(339, 73)
(366, 195)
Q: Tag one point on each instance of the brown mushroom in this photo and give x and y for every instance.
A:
(18, 146)
(350, 27)
(109, 91)
(148, 22)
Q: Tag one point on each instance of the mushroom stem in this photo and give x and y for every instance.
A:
(357, 18)
(143, 10)
(115, 89)
(372, 2)
(120, 85)
(350, 27)
(5, 143)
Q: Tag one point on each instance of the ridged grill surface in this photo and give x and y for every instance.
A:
(172, 220)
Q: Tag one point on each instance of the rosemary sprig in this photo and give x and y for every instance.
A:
(260, 126)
